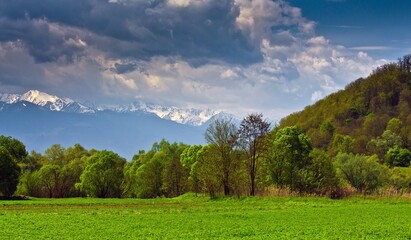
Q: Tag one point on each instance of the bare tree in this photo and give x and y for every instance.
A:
(405, 63)
(223, 134)
(253, 130)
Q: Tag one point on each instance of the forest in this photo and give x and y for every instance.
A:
(355, 141)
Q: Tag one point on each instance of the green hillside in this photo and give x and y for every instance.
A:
(357, 118)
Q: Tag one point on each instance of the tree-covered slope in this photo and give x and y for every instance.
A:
(358, 117)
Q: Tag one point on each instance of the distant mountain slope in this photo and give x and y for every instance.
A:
(50, 102)
(190, 116)
(124, 133)
(40, 120)
(362, 110)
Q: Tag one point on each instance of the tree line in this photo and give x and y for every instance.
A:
(238, 160)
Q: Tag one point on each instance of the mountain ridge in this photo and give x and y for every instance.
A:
(190, 116)
(359, 115)
(124, 133)
(50, 102)
(41, 120)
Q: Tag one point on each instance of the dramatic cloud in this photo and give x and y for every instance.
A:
(240, 56)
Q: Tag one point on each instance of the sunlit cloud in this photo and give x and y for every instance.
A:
(238, 56)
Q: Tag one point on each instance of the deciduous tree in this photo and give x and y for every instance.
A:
(223, 134)
(252, 132)
(288, 157)
(103, 175)
(9, 173)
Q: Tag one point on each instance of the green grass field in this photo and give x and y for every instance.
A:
(190, 217)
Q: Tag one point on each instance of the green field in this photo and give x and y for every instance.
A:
(193, 217)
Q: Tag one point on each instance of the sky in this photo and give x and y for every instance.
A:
(238, 56)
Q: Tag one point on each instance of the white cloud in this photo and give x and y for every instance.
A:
(186, 3)
(229, 73)
(317, 95)
(257, 18)
(77, 42)
(296, 67)
(320, 40)
(371, 48)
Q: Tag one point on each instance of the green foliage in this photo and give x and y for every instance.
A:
(189, 156)
(148, 177)
(363, 111)
(34, 161)
(129, 184)
(189, 159)
(173, 177)
(16, 149)
(341, 144)
(400, 180)
(223, 134)
(321, 175)
(49, 176)
(398, 157)
(9, 173)
(30, 185)
(103, 175)
(382, 144)
(395, 125)
(56, 154)
(159, 172)
(208, 170)
(288, 158)
(55, 173)
(364, 173)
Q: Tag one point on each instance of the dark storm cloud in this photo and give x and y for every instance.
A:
(132, 29)
(43, 44)
(124, 68)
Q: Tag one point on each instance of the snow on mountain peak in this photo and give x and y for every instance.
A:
(42, 99)
(9, 98)
(190, 116)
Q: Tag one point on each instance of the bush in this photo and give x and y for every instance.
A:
(398, 157)
(364, 173)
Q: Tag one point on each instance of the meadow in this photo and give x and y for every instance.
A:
(198, 217)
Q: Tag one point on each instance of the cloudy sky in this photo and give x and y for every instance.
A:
(240, 56)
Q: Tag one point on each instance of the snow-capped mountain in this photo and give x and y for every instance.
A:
(40, 120)
(189, 116)
(47, 101)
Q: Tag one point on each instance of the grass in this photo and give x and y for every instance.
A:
(190, 217)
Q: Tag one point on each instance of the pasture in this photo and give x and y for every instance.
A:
(192, 217)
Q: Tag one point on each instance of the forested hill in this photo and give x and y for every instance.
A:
(364, 116)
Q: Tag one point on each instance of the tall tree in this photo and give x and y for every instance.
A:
(12, 154)
(288, 157)
(208, 169)
(252, 132)
(173, 177)
(9, 173)
(149, 176)
(103, 175)
(16, 149)
(223, 134)
(189, 159)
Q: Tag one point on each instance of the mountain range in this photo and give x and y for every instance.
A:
(189, 116)
(40, 120)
